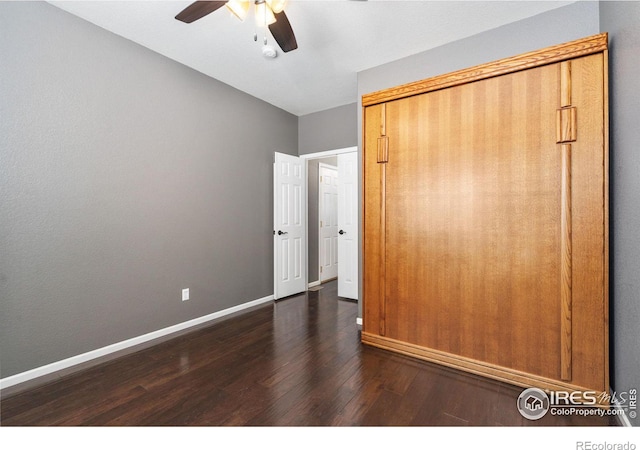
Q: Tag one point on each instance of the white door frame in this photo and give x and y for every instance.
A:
(305, 159)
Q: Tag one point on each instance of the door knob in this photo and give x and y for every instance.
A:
(280, 232)
(342, 232)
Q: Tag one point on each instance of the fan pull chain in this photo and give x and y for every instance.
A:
(255, 34)
(264, 39)
(255, 29)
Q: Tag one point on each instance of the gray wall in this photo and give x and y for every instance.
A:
(124, 177)
(622, 21)
(313, 238)
(561, 25)
(331, 129)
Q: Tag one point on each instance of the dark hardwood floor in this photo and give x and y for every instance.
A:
(296, 362)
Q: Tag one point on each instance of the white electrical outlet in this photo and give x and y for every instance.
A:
(185, 294)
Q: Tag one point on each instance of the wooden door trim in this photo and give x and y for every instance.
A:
(549, 55)
(606, 205)
(485, 369)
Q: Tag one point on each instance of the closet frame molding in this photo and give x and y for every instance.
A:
(550, 55)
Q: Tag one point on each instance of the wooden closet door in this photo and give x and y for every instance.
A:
(472, 232)
(484, 235)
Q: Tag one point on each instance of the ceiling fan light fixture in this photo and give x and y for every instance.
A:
(277, 6)
(239, 8)
(278, 23)
(264, 15)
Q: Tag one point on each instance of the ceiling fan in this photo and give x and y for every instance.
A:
(267, 12)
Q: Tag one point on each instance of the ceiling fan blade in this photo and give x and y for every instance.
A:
(283, 33)
(198, 10)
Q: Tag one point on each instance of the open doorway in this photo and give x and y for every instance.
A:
(293, 272)
(332, 234)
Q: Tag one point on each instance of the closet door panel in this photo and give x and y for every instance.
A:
(472, 221)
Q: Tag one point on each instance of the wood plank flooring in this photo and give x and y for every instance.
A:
(298, 362)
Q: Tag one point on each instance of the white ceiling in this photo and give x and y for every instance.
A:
(336, 39)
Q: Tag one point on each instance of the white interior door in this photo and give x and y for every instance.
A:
(328, 226)
(348, 225)
(289, 194)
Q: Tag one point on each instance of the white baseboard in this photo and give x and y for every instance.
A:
(359, 321)
(118, 346)
(314, 284)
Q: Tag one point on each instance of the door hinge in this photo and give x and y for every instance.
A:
(321, 224)
(320, 178)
